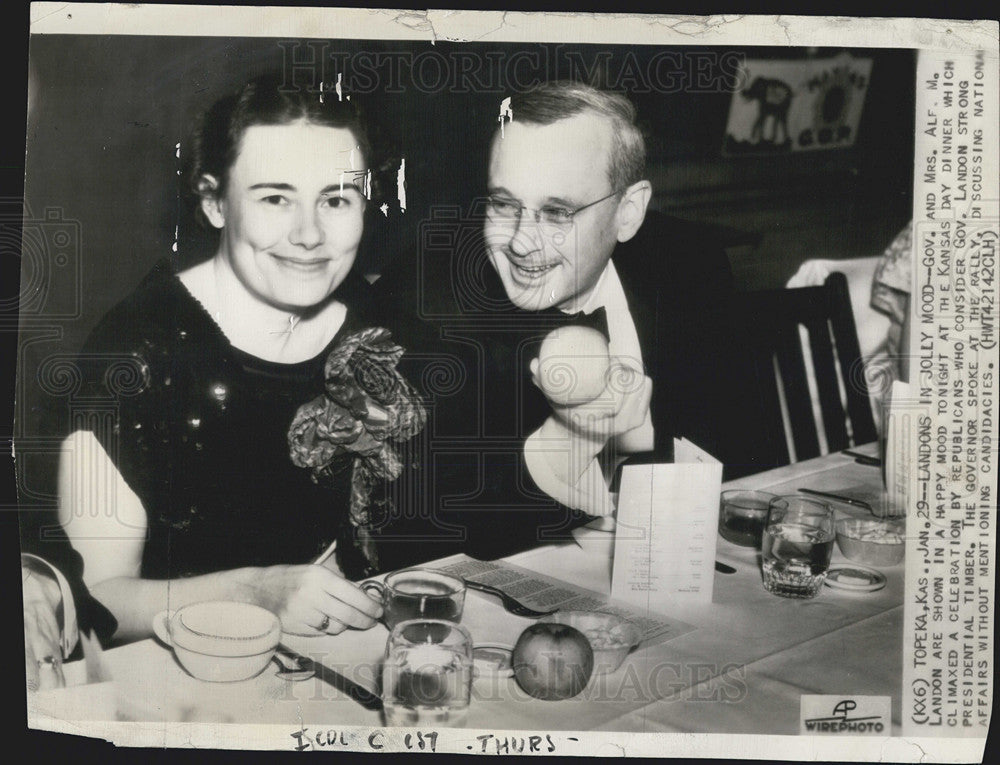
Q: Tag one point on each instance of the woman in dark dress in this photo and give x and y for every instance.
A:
(186, 491)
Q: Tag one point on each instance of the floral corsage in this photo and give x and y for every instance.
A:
(366, 412)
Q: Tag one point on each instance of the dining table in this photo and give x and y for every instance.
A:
(740, 666)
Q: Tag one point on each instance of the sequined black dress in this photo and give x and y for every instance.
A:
(198, 429)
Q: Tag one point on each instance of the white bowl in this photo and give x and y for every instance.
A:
(220, 640)
(872, 541)
(611, 637)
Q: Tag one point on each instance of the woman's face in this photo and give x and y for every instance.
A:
(292, 212)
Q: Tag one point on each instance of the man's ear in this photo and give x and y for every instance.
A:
(211, 203)
(632, 209)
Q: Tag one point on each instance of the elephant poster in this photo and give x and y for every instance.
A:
(797, 105)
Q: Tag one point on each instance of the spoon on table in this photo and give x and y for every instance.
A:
(291, 667)
(301, 668)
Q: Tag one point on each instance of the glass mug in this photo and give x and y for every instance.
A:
(742, 515)
(419, 593)
(427, 674)
(797, 546)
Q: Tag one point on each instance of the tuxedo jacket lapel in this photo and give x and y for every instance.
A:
(650, 306)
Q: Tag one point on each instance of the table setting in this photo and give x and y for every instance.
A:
(536, 641)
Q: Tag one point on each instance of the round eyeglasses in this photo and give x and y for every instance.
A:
(555, 216)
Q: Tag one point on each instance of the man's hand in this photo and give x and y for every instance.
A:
(42, 645)
(621, 407)
(561, 455)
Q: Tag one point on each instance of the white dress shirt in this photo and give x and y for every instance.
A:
(590, 492)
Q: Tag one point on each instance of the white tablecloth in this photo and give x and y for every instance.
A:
(742, 669)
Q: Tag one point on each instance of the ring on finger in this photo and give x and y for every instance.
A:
(53, 662)
(324, 625)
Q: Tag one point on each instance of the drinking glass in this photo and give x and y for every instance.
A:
(419, 593)
(796, 546)
(742, 516)
(427, 674)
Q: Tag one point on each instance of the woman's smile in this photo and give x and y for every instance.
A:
(304, 265)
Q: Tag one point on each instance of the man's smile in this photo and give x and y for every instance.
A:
(531, 271)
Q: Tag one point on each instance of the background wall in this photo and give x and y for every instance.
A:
(840, 203)
(106, 115)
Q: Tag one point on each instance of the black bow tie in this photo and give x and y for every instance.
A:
(556, 319)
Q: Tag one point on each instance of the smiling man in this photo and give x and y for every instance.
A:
(566, 186)
(562, 193)
(566, 230)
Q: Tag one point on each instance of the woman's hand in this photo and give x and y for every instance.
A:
(42, 647)
(312, 600)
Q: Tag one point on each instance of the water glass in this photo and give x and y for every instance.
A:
(427, 674)
(419, 593)
(796, 546)
(742, 515)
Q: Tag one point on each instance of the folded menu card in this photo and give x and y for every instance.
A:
(666, 530)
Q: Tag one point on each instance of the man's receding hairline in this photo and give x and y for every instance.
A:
(604, 119)
(584, 111)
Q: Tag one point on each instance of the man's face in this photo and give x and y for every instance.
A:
(562, 165)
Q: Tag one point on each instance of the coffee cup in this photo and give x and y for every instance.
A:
(419, 593)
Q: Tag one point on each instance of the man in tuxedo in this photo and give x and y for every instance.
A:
(565, 230)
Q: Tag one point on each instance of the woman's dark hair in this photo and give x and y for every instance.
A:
(218, 134)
